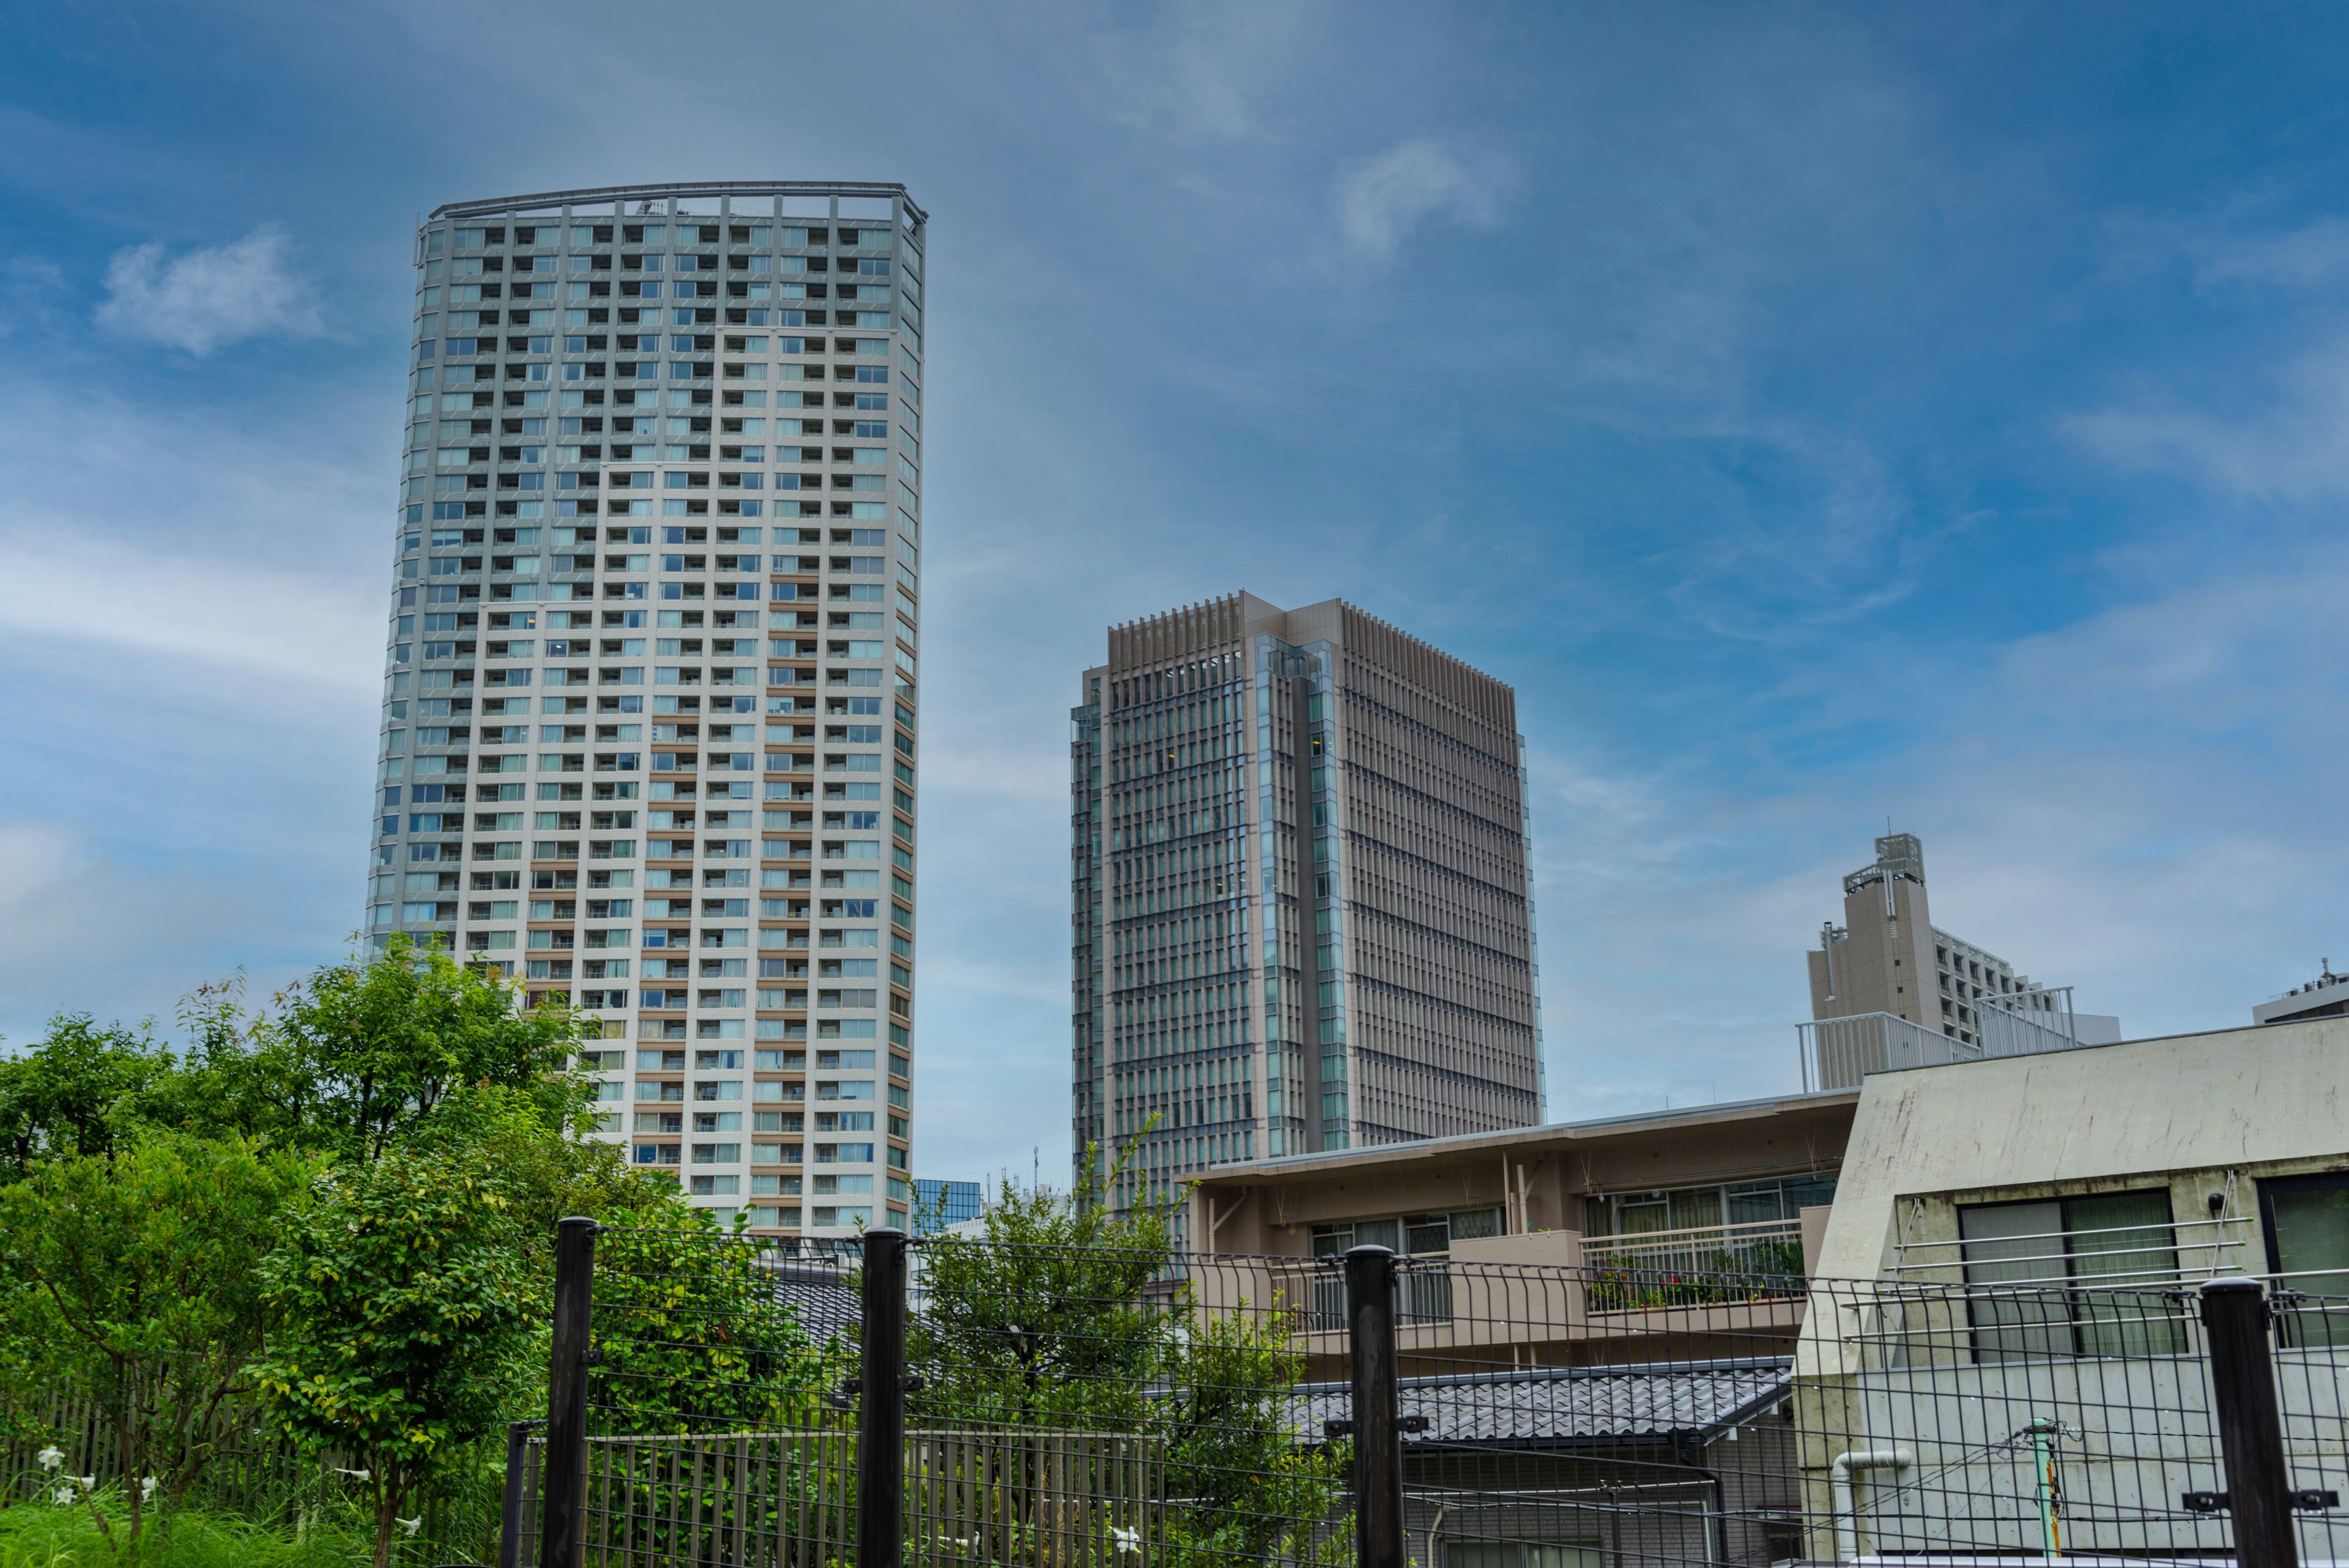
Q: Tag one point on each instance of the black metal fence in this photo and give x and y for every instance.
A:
(958, 1403)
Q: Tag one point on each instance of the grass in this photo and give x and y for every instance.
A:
(38, 1534)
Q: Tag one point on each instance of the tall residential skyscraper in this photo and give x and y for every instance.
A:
(651, 689)
(1302, 914)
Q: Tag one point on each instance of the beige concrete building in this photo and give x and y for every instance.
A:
(1302, 917)
(1533, 1248)
(2214, 1139)
(1888, 957)
(1743, 1173)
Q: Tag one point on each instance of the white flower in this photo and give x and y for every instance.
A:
(1126, 1539)
(146, 1487)
(354, 1475)
(51, 1457)
(66, 1496)
(411, 1525)
(90, 1483)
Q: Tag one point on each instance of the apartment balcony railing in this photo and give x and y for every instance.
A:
(1701, 1264)
(2122, 1257)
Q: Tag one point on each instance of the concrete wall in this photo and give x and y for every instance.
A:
(2219, 1102)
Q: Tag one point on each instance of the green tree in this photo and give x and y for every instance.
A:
(382, 1042)
(82, 1090)
(1067, 1315)
(134, 1287)
(407, 1321)
(695, 1334)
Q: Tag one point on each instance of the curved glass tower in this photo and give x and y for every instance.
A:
(652, 661)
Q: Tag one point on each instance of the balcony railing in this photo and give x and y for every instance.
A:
(1836, 1053)
(2143, 1257)
(1696, 1266)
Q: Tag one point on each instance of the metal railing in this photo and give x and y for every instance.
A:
(2176, 1252)
(1061, 1406)
(1838, 1052)
(1752, 1248)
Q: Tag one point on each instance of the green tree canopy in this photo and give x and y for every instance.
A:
(366, 1051)
(407, 1321)
(1067, 1317)
(134, 1285)
(82, 1090)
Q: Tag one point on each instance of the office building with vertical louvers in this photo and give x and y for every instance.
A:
(652, 648)
(1302, 914)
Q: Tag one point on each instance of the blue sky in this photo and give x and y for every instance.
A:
(1816, 413)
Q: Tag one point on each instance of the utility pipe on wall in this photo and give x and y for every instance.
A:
(1839, 1475)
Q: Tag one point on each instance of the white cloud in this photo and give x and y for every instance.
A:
(252, 621)
(206, 299)
(74, 922)
(2300, 258)
(2295, 448)
(1203, 70)
(1381, 200)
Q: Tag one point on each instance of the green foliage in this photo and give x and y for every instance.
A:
(1069, 1316)
(693, 1335)
(370, 1050)
(36, 1535)
(80, 1092)
(407, 1323)
(135, 1277)
(341, 1202)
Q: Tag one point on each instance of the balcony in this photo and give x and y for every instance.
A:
(1704, 1266)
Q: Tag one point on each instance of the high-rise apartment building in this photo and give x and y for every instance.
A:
(1889, 957)
(1303, 918)
(652, 682)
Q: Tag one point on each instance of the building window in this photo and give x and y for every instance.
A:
(2078, 1276)
(1694, 1208)
(2305, 1219)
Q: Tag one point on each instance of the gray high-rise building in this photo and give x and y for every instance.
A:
(1889, 957)
(1303, 918)
(651, 688)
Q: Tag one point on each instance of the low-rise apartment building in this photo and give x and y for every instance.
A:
(2013, 1249)
(1486, 1219)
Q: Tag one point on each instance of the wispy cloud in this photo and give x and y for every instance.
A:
(1381, 200)
(68, 913)
(208, 298)
(2303, 258)
(30, 290)
(1203, 70)
(2294, 447)
(290, 628)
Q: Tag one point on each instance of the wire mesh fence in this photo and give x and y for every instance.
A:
(958, 1404)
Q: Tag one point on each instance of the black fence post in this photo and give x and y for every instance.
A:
(510, 1510)
(562, 1472)
(881, 1405)
(1377, 1430)
(2251, 1430)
